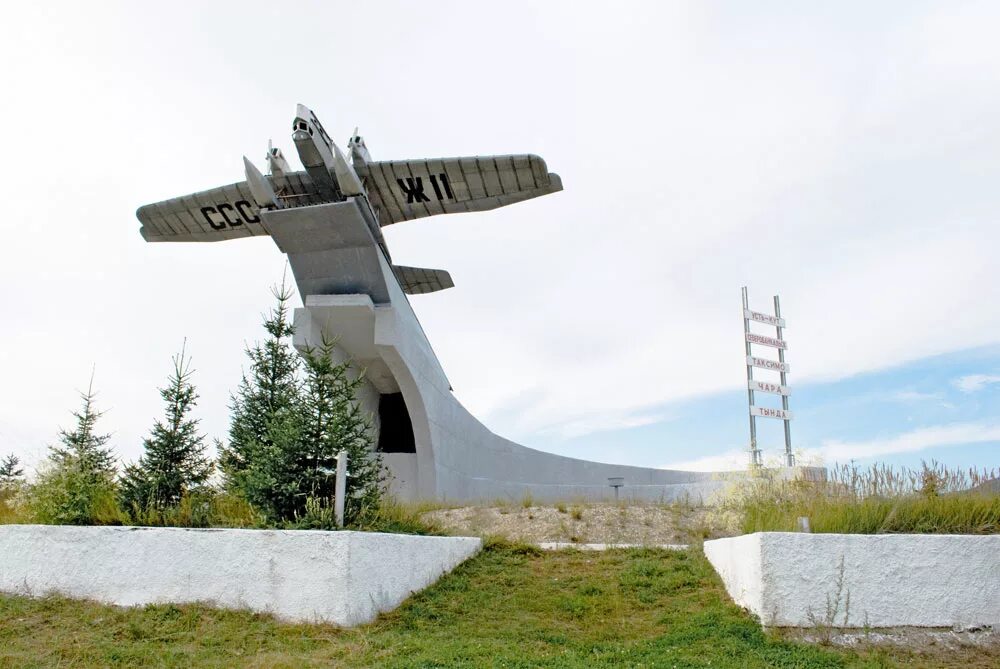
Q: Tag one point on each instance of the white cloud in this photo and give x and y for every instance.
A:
(831, 451)
(732, 460)
(913, 396)
(602, 422)
(956, 434)
(972, 383)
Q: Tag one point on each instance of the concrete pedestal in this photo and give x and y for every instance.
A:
(352, 297)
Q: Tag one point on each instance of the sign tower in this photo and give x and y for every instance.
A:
(760, 386)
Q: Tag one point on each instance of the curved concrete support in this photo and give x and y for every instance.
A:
(352, 297)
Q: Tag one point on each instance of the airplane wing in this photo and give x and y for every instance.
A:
(401, 190)
(220, 213)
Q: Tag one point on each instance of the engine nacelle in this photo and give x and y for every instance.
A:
(315, 150)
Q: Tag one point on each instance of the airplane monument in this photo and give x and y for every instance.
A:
(328, 220)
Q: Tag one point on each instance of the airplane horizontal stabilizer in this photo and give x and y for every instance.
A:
(420, 280)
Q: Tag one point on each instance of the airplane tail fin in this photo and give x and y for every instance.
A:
(420, 280)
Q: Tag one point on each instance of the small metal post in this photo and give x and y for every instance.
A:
(754, 452)
(789, 456)
(340, 491)
(616, 482)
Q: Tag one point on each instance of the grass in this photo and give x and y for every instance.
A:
(214, 508)
(931, 500)
(515, 606)
(400, 518)
(10, 512)
(511, 606)
(959, 514)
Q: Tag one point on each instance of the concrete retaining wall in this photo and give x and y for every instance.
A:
(858, 580)
(345, 578)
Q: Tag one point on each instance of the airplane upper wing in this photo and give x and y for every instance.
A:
(220, 213)
(401, 190)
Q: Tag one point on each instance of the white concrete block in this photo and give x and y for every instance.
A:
(881, 580)
(345, 578)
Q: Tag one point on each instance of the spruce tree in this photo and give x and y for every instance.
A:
(335, 422)
(174, 460)
(77, 487)
(83, 448)
(11, 470)
(286, 432)
(10, 477)
(262, 460)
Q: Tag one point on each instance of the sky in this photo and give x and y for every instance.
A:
(843, 155)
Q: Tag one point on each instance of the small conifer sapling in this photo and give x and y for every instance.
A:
(174, 459)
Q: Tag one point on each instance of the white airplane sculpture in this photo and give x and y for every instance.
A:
(392, 191)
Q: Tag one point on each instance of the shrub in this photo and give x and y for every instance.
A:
(67, 494)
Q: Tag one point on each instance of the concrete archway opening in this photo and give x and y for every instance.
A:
(395, 427)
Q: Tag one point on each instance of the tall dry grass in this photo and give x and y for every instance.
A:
(934, 499)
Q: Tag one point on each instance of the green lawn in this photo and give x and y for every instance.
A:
(508, 607)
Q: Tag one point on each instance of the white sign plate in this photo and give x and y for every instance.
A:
(763, 318)
(764, 363)
(767, 387)
(768, 412)
(766, 341)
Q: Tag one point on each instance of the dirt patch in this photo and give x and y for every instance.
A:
(585, 523)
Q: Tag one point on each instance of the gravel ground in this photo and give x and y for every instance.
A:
(585, 523)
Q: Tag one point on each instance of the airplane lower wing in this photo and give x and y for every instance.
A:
(220, 213)
(419, 280)
(401, 190)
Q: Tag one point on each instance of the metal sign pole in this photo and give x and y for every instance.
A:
(789, 457)
(754, 453)
(340, 489)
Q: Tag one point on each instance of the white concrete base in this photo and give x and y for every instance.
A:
(345, 578)
(859, 580)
